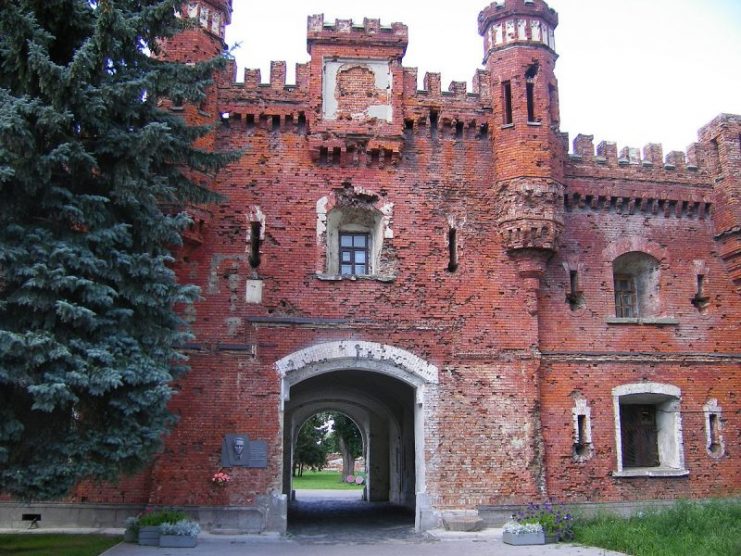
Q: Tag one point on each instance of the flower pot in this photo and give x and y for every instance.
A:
(178, 541)
(554, 537)
(131, 535)
(523, 538)
(149, 535)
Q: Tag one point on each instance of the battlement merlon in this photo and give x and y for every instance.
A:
(345, 32)
(530, 22)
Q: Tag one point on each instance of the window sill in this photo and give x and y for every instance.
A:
(354, 277)
(659, 321)
(508, 126)
(657, 472)
(534, 123)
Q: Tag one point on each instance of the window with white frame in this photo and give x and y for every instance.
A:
(354, 241)
(713, 429)
(582, 422)
(636, 283)
(648, 430)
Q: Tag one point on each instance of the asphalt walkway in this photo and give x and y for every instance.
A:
(339, 523)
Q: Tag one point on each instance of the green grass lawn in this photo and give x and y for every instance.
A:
(686, 529)
(56, 545)
(324, 480)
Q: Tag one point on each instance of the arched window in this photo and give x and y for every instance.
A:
(636, 280)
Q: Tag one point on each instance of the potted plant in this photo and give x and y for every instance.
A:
(523, 533)
(181, 534)
(131, 534)
(149, 525)
(556, 524)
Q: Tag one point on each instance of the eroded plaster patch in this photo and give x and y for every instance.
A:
(357, 90)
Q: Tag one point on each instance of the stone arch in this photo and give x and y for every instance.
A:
(356, 355)
(303, 368)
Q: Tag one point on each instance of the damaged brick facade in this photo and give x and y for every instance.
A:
(491, 260)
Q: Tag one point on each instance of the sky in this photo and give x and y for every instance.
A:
(629, 71)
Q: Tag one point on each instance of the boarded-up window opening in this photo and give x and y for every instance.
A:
(639, 435)
(626, 301)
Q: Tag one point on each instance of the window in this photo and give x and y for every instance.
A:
(648, 430)
(581, 414)
(507, 103)
(354, 253)
(636, 281)
(639, 435)
(353, 228)
(626, 303)
(713, 429)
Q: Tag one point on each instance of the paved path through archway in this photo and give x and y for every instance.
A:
(342, 517)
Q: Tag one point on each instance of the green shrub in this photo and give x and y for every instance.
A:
(161, 516)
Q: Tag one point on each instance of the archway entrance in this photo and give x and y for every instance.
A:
(382, 389)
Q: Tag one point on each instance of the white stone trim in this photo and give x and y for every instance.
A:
(667, 398)
(356, 354)
(712, 408)
(581, 408)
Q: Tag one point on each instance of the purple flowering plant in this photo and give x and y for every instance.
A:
(554, 519)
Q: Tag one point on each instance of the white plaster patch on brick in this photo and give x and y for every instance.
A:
(321, 219)
(254, 215)
(535, 30)
(359, 351)
(216, 23)
(204, 17)
(522, 29)
(383, 82)
(510, 26)
(551, 39)
(192, 10)
(544, 31)
(716, 447)
(253, 292)
(581, 407)
(387, 211)
(498, 34)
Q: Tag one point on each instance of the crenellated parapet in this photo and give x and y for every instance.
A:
(650, 159)
(509, 22)
(346, 32)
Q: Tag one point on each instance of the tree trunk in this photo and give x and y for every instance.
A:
(348, 462)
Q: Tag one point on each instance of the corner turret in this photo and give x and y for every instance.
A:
(720, 142)
(529, 150)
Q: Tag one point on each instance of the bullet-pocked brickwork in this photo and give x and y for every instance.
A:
(518, 318)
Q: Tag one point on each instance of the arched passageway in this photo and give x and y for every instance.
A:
(381, 389)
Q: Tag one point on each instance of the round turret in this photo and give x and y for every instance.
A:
(517, 21)
(519, 52)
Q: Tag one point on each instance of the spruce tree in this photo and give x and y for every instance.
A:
(88, 159)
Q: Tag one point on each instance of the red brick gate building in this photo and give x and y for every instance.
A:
(507, 321)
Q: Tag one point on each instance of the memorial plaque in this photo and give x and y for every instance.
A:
(258, 454)
(237, 450)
